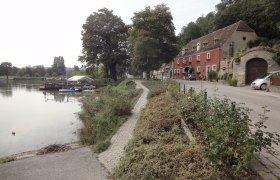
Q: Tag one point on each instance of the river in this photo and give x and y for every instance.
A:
(38, 118)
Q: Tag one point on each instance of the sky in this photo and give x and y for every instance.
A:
(33, 32)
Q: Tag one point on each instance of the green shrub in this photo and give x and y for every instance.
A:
(104, 113)
(231, 144)
(232, 82)
(212, 75)
(158, 87)
(7, 159)
(102, 146)
(276, 58)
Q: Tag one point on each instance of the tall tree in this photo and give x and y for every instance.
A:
(189, 32)
(104, 39)
(58, 67)
(206, 23)
(39, 71)
(152, 38)
(5, 69)
(262, 15)
(76, 68)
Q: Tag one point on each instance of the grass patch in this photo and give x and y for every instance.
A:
(232, 82)
(157, 87)
(7, 159)
(103, 113)
(159, 148)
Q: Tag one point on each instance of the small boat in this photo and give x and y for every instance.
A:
(72, 89)
(88, 88)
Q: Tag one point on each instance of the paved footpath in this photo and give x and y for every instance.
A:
(112, 155)
(70, 165)
(268, 165)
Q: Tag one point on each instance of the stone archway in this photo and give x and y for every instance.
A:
(251, 60)
(255, 68)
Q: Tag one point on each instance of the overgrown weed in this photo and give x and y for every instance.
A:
(104, 113)
(160, 149)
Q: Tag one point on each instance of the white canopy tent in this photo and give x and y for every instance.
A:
(80, 79)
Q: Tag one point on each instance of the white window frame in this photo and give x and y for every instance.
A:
(178, 61)
(214, 67)
(198, 46)
(178, 71)
(198, 57)
(208, 55)
(190, 59)
(198, 69)
(184, 60)
(174, 71)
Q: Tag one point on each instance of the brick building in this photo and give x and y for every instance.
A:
(212, 52)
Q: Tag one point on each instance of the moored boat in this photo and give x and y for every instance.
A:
(72, 89)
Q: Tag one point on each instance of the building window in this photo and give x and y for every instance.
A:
(183, 70)
(178, 61)
(216, 40)
(190, 59)
(178, 71)
(184, 61)
(208, 56)
(244, 38)
(214, 67)
(198, 47)
(174, 71)
(198, 69)
(198, 57)
(204, 43)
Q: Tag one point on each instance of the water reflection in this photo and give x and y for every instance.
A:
(6, 89)
(38, 118)
(61, 97)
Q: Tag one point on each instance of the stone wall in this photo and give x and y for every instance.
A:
(239, 70)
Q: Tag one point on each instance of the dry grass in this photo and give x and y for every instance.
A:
(160, 150)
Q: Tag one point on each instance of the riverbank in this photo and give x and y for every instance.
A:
(32, 153)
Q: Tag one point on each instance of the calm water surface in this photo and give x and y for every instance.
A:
(38, 118)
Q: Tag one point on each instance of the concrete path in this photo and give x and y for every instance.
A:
(70, 165)
(112, 155)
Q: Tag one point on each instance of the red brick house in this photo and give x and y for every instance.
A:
(212, 52)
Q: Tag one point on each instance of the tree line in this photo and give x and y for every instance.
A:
(57, 69)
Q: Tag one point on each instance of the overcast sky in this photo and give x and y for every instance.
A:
(33, 32)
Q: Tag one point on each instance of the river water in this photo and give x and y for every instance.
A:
(38, 118)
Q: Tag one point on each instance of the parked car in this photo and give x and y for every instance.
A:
(262, 81)
(190, 77)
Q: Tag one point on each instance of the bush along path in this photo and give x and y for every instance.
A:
(112, 155)
(224, 147)
(233, 141)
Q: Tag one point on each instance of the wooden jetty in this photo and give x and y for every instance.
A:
(56, 85)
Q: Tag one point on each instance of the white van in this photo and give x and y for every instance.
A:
(262, 82)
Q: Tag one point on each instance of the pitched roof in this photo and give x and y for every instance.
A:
(80, 78)
(215, 39)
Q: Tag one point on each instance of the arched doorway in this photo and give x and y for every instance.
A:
(255, 68)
